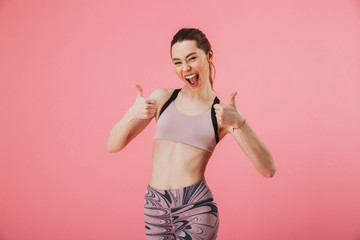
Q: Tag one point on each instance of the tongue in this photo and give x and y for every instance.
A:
(193, 79)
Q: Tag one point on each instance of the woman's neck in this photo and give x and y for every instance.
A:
(199, 93)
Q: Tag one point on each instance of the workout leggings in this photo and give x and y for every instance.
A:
(188, 213)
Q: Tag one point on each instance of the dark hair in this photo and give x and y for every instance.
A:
(201, 42)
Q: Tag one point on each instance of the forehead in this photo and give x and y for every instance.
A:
(182, 49)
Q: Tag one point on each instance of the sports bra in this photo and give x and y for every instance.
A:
(199, 130)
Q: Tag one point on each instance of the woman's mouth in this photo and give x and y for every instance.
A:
(193, 80)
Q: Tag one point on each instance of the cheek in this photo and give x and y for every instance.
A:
(199, 66)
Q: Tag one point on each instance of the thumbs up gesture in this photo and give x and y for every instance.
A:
(143, 108)
(227, 115)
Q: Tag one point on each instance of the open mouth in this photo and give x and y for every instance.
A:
(194, 81)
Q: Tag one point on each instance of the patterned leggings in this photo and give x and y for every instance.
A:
(186, 213)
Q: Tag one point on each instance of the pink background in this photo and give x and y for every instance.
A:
(67, 70)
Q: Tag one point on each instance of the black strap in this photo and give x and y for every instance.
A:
(213, 118)
(172, 98)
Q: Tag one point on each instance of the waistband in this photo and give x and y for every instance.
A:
(170, 198)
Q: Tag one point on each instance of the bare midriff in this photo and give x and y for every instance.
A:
(177, 165)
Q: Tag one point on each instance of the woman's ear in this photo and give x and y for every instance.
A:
(210, 56)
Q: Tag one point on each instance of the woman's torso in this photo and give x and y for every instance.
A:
(175, 164)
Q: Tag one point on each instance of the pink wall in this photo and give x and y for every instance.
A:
(67, 70)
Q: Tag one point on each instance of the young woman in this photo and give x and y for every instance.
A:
(190, 121)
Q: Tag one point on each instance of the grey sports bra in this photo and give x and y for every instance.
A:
(199, 131)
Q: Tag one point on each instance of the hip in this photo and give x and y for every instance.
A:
(198, 193)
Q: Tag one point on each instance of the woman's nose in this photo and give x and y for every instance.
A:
(186, 67)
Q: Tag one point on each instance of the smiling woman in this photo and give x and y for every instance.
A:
(201, 49)
(190, 122)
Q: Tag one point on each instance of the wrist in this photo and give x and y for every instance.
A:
(239, 120)
(240, 126)
(130, 114)
(239, 123)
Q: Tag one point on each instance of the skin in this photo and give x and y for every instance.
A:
(174, 164)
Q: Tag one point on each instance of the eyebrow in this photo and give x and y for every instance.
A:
(185, 57)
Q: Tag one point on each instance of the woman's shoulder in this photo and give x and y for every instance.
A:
(164, 90)
(161, 94)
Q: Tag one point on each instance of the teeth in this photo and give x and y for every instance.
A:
(188, 77)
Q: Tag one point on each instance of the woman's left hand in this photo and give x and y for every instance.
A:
(227, 115)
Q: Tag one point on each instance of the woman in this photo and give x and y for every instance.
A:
(190, 121)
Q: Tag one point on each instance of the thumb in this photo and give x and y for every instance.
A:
(232, 99)
(139, 90)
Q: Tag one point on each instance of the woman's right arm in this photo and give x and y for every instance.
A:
(135, 120)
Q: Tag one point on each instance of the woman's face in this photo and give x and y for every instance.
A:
(189, 60)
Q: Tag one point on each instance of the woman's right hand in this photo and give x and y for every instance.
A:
(143, 108)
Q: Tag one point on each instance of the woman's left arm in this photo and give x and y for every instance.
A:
(229, 117)
(253, 147)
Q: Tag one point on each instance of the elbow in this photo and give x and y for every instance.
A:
(112, 149)
(270, 169)
(270, 172)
